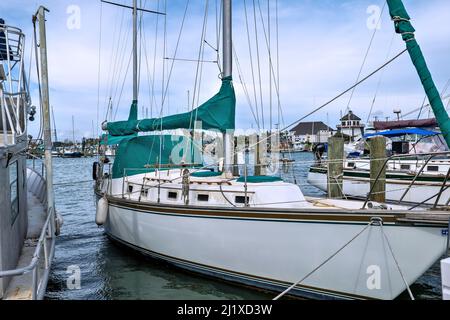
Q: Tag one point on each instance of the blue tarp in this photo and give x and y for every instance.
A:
(402, 132)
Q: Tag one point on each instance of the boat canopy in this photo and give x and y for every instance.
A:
(146, 154)
(389, 125)
(218, 113)
(401, 132)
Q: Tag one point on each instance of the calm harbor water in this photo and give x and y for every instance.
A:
(112, 272)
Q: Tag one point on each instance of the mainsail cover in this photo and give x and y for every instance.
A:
(404, 27)
(218, 113)
(144, 154)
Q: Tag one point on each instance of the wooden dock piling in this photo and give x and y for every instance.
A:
(335, 167)
(378, 169)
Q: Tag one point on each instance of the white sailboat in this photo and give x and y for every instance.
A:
(257, 231)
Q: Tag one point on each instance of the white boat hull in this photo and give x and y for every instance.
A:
(273, 253)
(359, 187)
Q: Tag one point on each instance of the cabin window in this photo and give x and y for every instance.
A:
(130, 189)
(144, 192)
(351, 165)
(203, 197)
(241, 200)
(433, 168)
(172, 195)
(405, 166)
(14, 190)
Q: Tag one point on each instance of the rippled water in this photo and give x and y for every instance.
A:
(112, 272)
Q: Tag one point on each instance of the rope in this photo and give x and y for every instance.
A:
(396, 262)
(323, 263)
(224, 196)
(72, 183)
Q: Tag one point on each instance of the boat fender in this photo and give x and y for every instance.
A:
(59, 221)
(102, 211)
(95, 168)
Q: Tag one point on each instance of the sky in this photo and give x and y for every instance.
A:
(318, 53)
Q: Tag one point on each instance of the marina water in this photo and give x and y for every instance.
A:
(108, 271)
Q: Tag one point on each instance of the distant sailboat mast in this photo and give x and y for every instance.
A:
(227, 72)
(135, 57)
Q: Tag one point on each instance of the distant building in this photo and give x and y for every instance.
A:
(309, 133)
(351, 126)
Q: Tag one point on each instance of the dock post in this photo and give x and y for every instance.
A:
(335, 170)
(445, 273)
(378, 169)
(236, 159)
(258, 168)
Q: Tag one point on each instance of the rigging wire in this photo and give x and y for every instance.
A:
(153, 100)
(113, 69)
(176, 50)
(251, 65)
(444, 90)
(276, 85)
(259, 65)
(346, 91)
(366, 55)
(270, 63)
(99, 68)
(380, 80)
(119, 69)
(244, 86)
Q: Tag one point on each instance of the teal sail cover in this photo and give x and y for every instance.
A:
(404, 27)
(218, 113)
(144, 154)
(109, 140)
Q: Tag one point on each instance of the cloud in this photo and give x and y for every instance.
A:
(322, 44)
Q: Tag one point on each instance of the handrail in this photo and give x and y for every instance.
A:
(46, 233)
(415, 178)
(432, 154)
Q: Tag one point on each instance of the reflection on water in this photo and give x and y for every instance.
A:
(109, 271)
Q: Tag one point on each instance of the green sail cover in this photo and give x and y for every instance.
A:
(259, 179)
(142, 154)
(404, 27)
(217, 113)
(109, 140)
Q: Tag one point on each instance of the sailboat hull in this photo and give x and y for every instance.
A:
(356, 184)
(261, 250)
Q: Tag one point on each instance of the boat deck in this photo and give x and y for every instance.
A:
(20, 287)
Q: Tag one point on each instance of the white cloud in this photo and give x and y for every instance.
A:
(322, 45)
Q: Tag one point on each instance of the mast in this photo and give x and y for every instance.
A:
(404, 27)
(54, 125)
(228, 72)
(46, 115)
(135, 55)
(73, 131)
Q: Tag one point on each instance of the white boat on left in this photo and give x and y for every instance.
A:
(28, 221)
